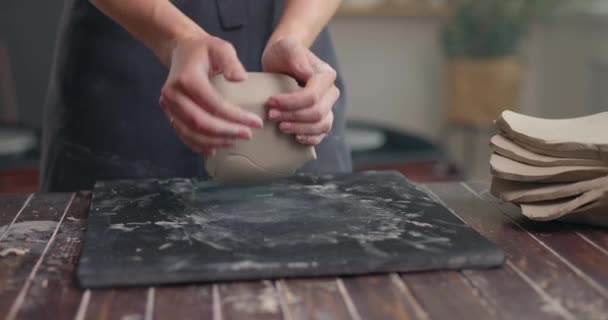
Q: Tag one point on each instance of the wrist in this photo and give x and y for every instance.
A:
(167, 48)
(292, 31)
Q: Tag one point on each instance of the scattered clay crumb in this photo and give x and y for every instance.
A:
(164, 246)
(15, 251)
(138, 250)
(45, 283)
(72, 219)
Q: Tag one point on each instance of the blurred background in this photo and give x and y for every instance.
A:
(424, 78)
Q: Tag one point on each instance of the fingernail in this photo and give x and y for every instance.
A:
(273, 103)
(300, 138)
(256, 122)
(245, 134)
(286, 127)
(274, 114)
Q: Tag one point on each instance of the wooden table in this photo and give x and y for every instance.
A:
(553, 271)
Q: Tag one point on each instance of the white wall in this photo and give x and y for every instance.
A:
(567, 62)
(393, 69)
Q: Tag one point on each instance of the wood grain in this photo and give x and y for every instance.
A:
(125, 303)
(315, 298)
(562, 289)
(183, 302)
(53, 290)
(43, 210)
(554, 271)
(562, 239)
(504, 288)
(597, 236)
(249, 300)
(511, 295)
(379, 297)
(447, 295)
(9, 207)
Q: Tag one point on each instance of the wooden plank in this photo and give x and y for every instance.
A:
(314, 298)
(124, 303)
(183, 302)
(10, 205)
(383, 297)
(596, 236)
(53, 290)
(579, 254)
(31, 232)
(563, 290)
(247, 300)
(447, 295)
(511, 295)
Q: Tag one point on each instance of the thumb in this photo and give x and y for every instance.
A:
(226, 60)
(297, 56)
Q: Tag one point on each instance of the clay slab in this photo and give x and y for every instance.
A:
(508, 148)
(583, 137)
(505, 168)
(525, 192)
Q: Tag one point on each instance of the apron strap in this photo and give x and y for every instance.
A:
(233, 13)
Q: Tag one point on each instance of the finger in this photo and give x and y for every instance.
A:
(225, 59)
(297, 59)
(198, 142)
(314, 114)
(205, 96)
(310, 140)
(321, 127)
(179, 106)
(305, 97)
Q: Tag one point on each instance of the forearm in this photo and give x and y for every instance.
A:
(156, 23)
(304, 20)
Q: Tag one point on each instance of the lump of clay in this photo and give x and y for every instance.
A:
(526, 192)
(270, 153)
(507, 169)
(507, 148)
(583, 137)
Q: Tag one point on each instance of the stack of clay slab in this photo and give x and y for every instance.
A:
(553, 169)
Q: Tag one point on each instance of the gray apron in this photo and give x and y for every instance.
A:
(102, 119)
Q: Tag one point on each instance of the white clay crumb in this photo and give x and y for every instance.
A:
(14, 251)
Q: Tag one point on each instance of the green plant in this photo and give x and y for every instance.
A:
(491, 28)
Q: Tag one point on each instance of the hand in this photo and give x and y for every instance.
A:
(202, 118)
(307, 113)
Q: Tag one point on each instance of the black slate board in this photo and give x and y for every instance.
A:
(185, 230)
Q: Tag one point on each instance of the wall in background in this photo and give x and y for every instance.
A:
(393, 69)
(567, 62)
(393, 66)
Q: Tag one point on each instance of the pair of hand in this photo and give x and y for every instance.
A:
(205, 121)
